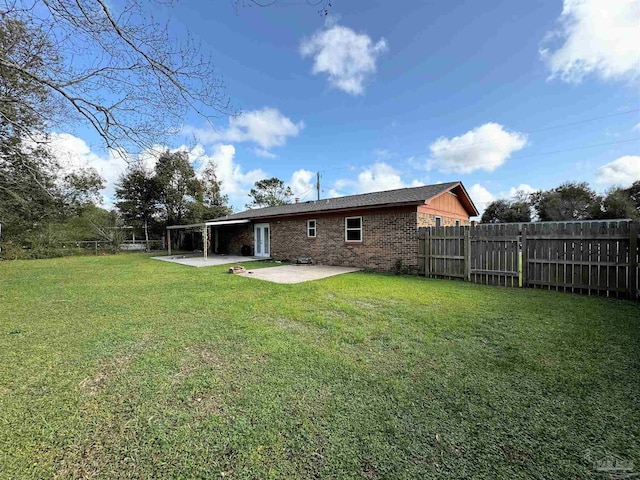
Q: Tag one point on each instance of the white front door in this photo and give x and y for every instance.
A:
(262, 240)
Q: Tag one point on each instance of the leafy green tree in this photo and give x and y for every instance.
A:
(507, 211)
(81, 188)
(569, 201)
(617, 203)
(269, 192)
(634, 194)
(138, 194)
(107, 226)
(29, 194)
(215, 203)
(177, 185)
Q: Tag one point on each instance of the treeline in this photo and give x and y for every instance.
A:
(569, 201)
(170, 194)
(43, 209)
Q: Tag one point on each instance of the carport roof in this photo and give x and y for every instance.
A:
(210, 223)
(402, 196)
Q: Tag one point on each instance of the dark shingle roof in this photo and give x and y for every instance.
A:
(389, 197)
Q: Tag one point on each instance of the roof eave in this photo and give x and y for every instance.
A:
(466, 201)
(342, 209)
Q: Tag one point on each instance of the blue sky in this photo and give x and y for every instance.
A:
(378, 96)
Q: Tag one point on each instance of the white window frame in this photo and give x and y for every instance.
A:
(346, 229)
(436, 220)
(315, 228)
(458, 223)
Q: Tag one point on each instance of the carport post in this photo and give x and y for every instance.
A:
(168, 242)
(204, 241)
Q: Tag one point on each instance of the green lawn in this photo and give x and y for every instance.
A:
(126, 367)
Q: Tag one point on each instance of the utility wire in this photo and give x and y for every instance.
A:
(306, 192)
(564, 150)
(587, 120)
(543, 129)
(532, 155)
(571, 149)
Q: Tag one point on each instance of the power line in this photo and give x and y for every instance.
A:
(537, 154)
(306, 192)
(572, 149)
(544, 129)
(584, 121)
(553, 127)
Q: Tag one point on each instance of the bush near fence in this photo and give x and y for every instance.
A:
(15, 251)
(593, 257)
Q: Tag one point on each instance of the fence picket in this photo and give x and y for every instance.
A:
(594, 258)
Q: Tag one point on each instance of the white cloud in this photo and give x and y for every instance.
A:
(347, 57)
(622, 171)
(266, 127)
(261, 152)
(485, 147)
(377, 177)
(481, 197)
(73, 153)
(302, 182)
(235, 181)
(599, 37)
(636, 127)
(513, 191)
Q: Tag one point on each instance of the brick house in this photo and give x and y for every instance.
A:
(374, 230)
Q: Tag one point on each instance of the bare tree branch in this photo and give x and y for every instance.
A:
(121, 71)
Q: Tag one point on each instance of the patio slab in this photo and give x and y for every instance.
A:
(197, 260)
(296, 273)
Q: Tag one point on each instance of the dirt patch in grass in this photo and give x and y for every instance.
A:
(291, 325)
(515, 456)
(112, 367)
(196, 358)
(369, 471)
(199, 382)
(363, 304)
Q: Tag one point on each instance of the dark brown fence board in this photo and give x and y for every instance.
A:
(594, 258)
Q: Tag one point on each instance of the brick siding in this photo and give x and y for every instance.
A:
(389, 240)
(429, 220)
(231, 238)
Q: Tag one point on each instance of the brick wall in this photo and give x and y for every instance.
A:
(429, 220)
(231, 238)
(388, 237)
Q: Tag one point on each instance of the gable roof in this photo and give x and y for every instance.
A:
(401, 196)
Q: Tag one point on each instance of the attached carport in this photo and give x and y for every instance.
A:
(203, 228)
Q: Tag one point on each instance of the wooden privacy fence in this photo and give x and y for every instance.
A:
(594, 258)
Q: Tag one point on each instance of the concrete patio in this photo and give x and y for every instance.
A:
(197, 259)
(296, 273)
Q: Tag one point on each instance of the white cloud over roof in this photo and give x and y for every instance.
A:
(347, 58)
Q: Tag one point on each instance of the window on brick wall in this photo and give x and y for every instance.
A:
(438, 221)
(353, 229)
(311, 228)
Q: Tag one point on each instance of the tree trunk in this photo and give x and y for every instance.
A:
(146, 233)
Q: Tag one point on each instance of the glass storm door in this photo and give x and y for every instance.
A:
(262, 240)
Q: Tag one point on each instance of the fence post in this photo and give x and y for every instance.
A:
(633, 262)
(522, 258)
(427, 252)
(467, 254)
(96, 247)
